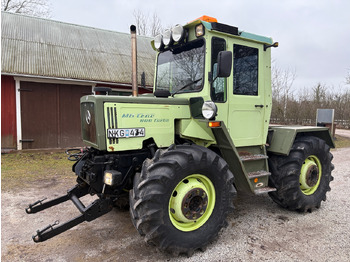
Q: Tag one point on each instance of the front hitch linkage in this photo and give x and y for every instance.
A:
(96, 209)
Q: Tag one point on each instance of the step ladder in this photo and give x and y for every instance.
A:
(256, 166)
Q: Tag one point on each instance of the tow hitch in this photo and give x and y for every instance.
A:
(96, 209)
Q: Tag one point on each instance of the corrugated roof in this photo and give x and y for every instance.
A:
(41, 47)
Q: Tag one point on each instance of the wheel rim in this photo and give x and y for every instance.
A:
(192, 202)
(310, 175)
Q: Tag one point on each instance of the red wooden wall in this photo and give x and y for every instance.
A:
(8, 113)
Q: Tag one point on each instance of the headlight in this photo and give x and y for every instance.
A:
(112, 177)
(199, 30)
(167, 37)
(177, 33)
(209, 110)
(158, 42)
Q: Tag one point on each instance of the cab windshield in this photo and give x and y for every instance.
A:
(181, 69)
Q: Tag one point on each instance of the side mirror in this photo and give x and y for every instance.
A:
(224, 64)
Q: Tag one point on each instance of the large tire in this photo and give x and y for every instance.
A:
(302, 178)
(182, 198)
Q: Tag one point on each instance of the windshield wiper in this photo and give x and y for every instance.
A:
(187, 85)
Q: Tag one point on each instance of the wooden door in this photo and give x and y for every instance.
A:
(51, 115)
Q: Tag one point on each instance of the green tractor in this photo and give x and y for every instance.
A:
(177, 156)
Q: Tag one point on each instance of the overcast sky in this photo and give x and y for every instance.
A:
(314, 35)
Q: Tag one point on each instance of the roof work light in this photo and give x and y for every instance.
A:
(174, 35)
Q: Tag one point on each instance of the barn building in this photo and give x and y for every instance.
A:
(48, 65)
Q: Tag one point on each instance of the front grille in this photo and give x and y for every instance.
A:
(88, 122)
(112, 121)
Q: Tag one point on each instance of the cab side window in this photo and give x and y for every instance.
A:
(218, 87)
(245, 70)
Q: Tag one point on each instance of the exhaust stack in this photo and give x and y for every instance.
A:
(135, 90)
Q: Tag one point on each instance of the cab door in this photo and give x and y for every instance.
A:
(246, 95)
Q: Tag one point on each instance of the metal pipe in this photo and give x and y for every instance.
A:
(135, 90)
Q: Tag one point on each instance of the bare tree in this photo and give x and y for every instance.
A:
(39, 8)
(147, 26)
(320, 95)
(347, 78)
(281, 83)
(302, 107)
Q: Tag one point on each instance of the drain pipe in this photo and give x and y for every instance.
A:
(135, 90)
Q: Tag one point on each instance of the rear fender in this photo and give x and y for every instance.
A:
(281, 138)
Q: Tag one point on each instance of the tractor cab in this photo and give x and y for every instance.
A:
(221, 64)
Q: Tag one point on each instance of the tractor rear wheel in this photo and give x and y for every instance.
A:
(302, 178)
(182, 198)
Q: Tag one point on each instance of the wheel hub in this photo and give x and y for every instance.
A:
(194, 203)
(312, 176)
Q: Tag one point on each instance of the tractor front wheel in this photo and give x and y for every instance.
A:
(182, 198)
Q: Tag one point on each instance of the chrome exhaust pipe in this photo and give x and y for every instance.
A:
(135, 90)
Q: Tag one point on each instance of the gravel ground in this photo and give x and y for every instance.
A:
(258, 230)
(343, 132)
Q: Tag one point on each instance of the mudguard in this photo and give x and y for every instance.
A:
(281, 138)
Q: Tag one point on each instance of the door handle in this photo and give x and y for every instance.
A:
(261, 106)
(26, 140)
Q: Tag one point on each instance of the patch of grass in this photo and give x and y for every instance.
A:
(341, 141)
(22, 168)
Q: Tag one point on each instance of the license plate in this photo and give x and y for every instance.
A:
(125, 132)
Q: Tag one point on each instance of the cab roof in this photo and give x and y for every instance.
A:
(211, 24)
